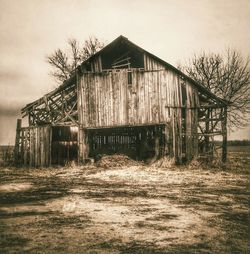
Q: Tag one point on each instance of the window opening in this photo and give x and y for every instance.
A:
(129, 78)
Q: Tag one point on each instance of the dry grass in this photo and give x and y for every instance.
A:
(124, 207)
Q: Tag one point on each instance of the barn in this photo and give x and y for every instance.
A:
(123, 99)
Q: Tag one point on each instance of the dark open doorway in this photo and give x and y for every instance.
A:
(138, 142)
(64, 145)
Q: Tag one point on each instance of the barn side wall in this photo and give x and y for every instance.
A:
(133, 97)
(34, 146)
(44, 146)
(152, 64)
(107, 99)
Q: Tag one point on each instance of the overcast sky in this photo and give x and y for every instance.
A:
(172, 29)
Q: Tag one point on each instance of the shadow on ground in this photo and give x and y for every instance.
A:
(134, 209)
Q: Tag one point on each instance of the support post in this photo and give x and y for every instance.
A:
(25, 145)
(143, 144)
(166, 140)
(29, 117)
(224, 136)
(156, 143)
(83, 146)
(137, 144)
(16, 151)
(207, 132)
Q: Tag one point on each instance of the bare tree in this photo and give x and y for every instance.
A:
(228, 77)
(64, 62)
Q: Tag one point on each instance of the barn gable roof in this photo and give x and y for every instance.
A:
(112, 46)
(122, 39)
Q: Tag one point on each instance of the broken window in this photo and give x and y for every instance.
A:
(129, 78)
(122, 56)
(122, 62)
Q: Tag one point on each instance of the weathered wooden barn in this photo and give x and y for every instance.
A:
(125, 100)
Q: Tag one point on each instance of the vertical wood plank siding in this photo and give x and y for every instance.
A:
(151, 64)
(48, 145)
(107, 99)
(96, 64)
(35, 146)
(155, 96)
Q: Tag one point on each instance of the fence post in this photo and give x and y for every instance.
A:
(16, 151)
(83, 145)
(224, 133)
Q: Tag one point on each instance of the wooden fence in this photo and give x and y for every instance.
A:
(44, 146)
(33, 146)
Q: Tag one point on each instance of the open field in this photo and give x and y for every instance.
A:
(6, 155)
(239, 158)
(129, 209)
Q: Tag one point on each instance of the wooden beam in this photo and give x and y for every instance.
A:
(210, 119)
(83, 145)
(211, 134)
(224, 141)
(65, 86)
(17, 142)
(210, 106)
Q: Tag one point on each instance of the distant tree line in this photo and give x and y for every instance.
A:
(6, 155)
(244, 142)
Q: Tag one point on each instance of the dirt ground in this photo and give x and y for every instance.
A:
(129, 209)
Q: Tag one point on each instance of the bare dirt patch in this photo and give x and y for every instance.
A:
(13, 187)
(129, 209)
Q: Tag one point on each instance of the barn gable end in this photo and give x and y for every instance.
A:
(125, 99)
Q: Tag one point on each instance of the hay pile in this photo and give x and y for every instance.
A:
(116, 160)
(195, 164)
(165, 162)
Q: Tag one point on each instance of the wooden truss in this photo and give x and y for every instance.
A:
(56, 107)
(212, 121)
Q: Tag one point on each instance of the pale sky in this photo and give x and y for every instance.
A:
(171, 29)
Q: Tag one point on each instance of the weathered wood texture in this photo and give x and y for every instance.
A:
(17, 141)
(57, 107)
(34, 146)
(106, 99)
(96, 64)
(153, 97)
(224, 135)
(47, 145)
(126, 86)
(152, 64)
